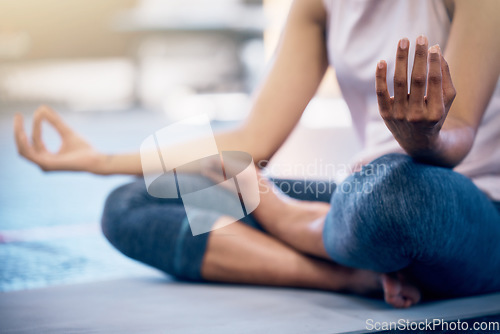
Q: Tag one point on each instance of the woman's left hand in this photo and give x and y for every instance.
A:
(415, 119)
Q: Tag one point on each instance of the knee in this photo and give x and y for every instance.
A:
(374, 214)
(118, 206)
(384, 191)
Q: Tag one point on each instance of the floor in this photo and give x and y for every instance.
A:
(157, 304)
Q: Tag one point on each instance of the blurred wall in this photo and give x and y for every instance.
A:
(119, 54)
(61, 28)
(75, 53)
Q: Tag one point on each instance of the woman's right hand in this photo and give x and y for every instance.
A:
(75, 153)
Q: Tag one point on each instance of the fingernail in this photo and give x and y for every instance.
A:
(403, 44)
(381, 64)
(421, 40)
(434, 49)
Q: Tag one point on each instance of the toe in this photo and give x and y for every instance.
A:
(392, 291)
(398, 292)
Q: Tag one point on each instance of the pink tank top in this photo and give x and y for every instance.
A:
(359, 34)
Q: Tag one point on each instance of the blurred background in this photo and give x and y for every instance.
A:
(120, 54)
(118, 70)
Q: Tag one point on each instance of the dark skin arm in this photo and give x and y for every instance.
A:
(432, 125)
(436, 125)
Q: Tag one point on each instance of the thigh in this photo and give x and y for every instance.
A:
(432, 222)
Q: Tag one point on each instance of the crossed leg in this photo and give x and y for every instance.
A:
(300, 225)
(422, 226)
(397, 228)
(238, 253)
(156, 232)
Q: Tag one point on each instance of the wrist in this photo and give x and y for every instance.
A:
(448, 147)
(442, 152)
(99, 164)
(421, 146)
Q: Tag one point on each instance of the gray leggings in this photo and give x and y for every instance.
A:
(428, 221)
(156, 231)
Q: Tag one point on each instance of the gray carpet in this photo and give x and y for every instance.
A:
(156, 304)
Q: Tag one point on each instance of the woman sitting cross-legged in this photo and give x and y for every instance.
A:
(419, 217)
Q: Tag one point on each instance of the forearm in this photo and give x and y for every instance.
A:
(110, 164)
(130, 163)
(472, 56)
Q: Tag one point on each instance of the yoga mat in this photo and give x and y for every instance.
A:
(160, 305)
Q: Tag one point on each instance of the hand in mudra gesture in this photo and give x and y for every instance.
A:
(416, 118)
(75, 153)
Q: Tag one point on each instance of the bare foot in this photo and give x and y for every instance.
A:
(398, 292)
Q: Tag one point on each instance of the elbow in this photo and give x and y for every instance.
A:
(255, 145)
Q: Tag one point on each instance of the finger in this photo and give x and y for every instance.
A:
(435, 104)
(383, 98)
(401, 75)
(36, 133)
(449, 91)
(56, 121)
(419, 73)
(23, 146)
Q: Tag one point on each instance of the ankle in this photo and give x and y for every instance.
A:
(365, 282)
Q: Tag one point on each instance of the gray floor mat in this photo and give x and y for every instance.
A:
(159, 305)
